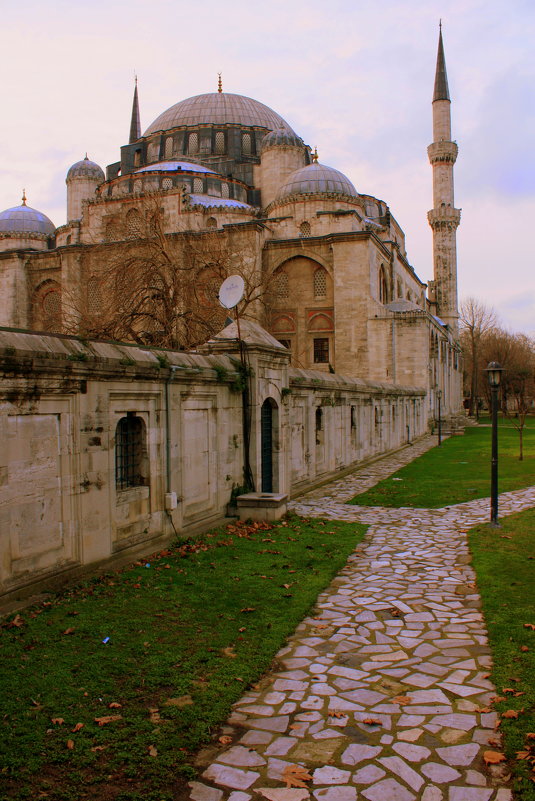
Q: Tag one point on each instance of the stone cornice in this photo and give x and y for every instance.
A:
(443, 152)
(444, 217)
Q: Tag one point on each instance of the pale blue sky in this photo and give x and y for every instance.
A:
(354, 78)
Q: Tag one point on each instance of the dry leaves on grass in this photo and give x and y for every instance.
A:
(114, 705)
(225, 739)
(70, 744)
(57, 721)
(77, 727)
(153, 752)
(108, 719)
(511, 713)
(296, 776)
(529, 626)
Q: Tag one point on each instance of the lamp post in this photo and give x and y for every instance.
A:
(494, 374)
(439, 398)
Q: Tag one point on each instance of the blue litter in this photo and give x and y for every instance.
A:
(105, 640)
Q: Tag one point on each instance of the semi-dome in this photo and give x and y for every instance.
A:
(316, 179)
(281, 137)
(218, 108)
(25, 220)
(86, 169)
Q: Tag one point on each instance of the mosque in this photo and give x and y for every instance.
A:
(341, 294)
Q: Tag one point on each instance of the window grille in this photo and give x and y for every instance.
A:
(246, 144)
(113, 231)
(51, 304)
(168, 147)
(220, 142)
(320, 283)
(305, 229)
(225, 190)
(130, 448)
(281, 284)
(321, 350)
(94, 296)
(193, 143)
(167, 183)
(133, 223)
(198, 186)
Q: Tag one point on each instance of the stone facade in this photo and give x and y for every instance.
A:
(111, 449)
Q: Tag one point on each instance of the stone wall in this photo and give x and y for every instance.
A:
(67, 498)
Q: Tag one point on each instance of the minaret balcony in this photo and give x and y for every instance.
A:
(443, 152)
(444, 217)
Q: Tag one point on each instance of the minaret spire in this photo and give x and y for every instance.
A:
(135, 125)
(444, 217)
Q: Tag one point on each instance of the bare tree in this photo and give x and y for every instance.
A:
(476, 321)
(161, 289)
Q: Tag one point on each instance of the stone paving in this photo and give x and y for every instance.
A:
(384, 692)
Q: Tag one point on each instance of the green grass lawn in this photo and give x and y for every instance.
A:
(458, 470)
(504, 560)
(163, 648)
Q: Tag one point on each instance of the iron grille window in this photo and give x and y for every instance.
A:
(320, 283)
(129, 452)
(246, 144)
(220, 142)
(305, 229)
(321, 350)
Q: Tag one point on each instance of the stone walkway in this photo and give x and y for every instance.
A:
(384, 693)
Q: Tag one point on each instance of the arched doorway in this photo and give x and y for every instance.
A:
(268, 434)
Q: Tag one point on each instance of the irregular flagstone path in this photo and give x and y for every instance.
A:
(384, 692)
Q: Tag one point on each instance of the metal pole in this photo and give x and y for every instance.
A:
(494, 460)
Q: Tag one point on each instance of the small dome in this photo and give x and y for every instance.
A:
(281, 137)
(218, 108)
(86, 169)
(316, 179)
(25, 220)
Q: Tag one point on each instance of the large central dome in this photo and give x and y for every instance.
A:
(218, 108)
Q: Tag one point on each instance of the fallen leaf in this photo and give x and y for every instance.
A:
(183, 700)
(497, 698)
(248, 609)
(335, 713)
(514, 678)
(493, 757)
(58, 721)
(70, 630)
(516, 695)
(242, 629)
(526, 626)
(225, 739)
(524, 648)
(402, 700)
(17, 622)
(508, 690)
(98, 748)
(531, 735)
(70, 744)
(114, 705)
(108, 719)
(372, 722)
(296, 726)
(511, 713)
(483, 710)
(494, 742)
(296, 776)
(229, 651)
(153, 752)
(77, 727)
(523, 754)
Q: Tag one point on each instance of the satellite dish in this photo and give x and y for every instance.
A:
(231, 291)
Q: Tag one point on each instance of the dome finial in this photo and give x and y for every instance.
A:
(23, 197)
(219, 83)
(86, 156)
(315, 156)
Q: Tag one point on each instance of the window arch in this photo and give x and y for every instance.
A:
(211, 222)
(383, 285)
(281, 284)
(198, 186)
(153, 151)
(167, 183)
(46, 307)
(225, 191)
(193, 143)
(130, 452)
(320, 283)
(305, 229)
(246, 144)
(168, 147)
(219, 142)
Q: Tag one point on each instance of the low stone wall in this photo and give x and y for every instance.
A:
(109, 449)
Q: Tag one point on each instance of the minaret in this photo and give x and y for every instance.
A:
(444, 217)
(135, 125)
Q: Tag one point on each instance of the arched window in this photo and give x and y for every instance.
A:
(383, 285)
(319, 419)
(211, 222)
(137, 158)
(320, 283)
(198, 186)
(225, 190)
(133, 223)
(246, 144)
(168, 147)
(51, 306)
(305, 229)
(193, 143)
(113, 231)
(281, 284)
(130, 452)
(220, 142)
(153, 151)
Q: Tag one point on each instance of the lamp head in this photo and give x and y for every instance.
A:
(494, 373)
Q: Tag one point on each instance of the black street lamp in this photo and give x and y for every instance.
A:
(494, 374)
(439, 398)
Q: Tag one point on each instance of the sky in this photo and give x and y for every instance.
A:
(353, 78)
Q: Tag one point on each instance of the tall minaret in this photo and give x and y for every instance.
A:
(444, 217)
(135, 125)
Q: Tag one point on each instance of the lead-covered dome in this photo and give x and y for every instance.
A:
(86, 169)
(218, 108)
(281, 137)
(25, 220)
(316, 179)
